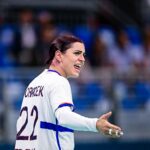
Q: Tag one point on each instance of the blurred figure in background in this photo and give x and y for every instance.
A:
(27, 38)
(99, 55)
(119, 55)
(47, 31)
(146, 46)
(7, 43)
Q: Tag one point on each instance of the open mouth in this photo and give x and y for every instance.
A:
(77, 66)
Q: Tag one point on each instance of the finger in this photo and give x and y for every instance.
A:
(112, 126)
(114, 133)
(117, 133)
(106, 116)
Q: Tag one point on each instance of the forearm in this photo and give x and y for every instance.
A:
(74, 121)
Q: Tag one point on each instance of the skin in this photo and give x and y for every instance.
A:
(69, 64)
(103, 125)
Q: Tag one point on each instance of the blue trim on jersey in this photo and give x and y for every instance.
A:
(66, 104)
(57, 136)
(54, 127)
(50, 70)
(57, 132)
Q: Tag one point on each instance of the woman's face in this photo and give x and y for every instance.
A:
(73, 60)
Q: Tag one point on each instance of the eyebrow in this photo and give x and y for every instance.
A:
(79, 51)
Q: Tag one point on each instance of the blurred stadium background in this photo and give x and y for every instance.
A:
(117, 73)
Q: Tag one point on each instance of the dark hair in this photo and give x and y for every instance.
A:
(61, 43)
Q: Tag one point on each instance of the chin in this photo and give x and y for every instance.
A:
(74, 75)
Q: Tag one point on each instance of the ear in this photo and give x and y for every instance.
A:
(58, 56)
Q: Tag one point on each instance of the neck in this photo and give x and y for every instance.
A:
(58, 69)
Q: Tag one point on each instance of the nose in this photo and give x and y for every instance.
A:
(82, 58)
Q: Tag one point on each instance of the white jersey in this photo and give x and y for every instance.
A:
(38, 126)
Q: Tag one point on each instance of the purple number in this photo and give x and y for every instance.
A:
(19, 136)
(32, 136)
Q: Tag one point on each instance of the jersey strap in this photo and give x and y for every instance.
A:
(54, 127)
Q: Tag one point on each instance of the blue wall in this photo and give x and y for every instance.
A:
(138, 145)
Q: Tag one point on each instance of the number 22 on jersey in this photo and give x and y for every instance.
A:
(34, 114)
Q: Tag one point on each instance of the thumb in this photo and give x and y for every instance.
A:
(106, 116)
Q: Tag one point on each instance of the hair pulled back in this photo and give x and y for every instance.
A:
(61, 43)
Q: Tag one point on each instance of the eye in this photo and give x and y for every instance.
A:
(77, 52)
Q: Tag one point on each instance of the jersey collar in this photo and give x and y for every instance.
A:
(50, 70)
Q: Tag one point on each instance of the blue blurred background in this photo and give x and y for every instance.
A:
(116, 76)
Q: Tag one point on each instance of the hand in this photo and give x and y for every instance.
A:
(108, 129)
